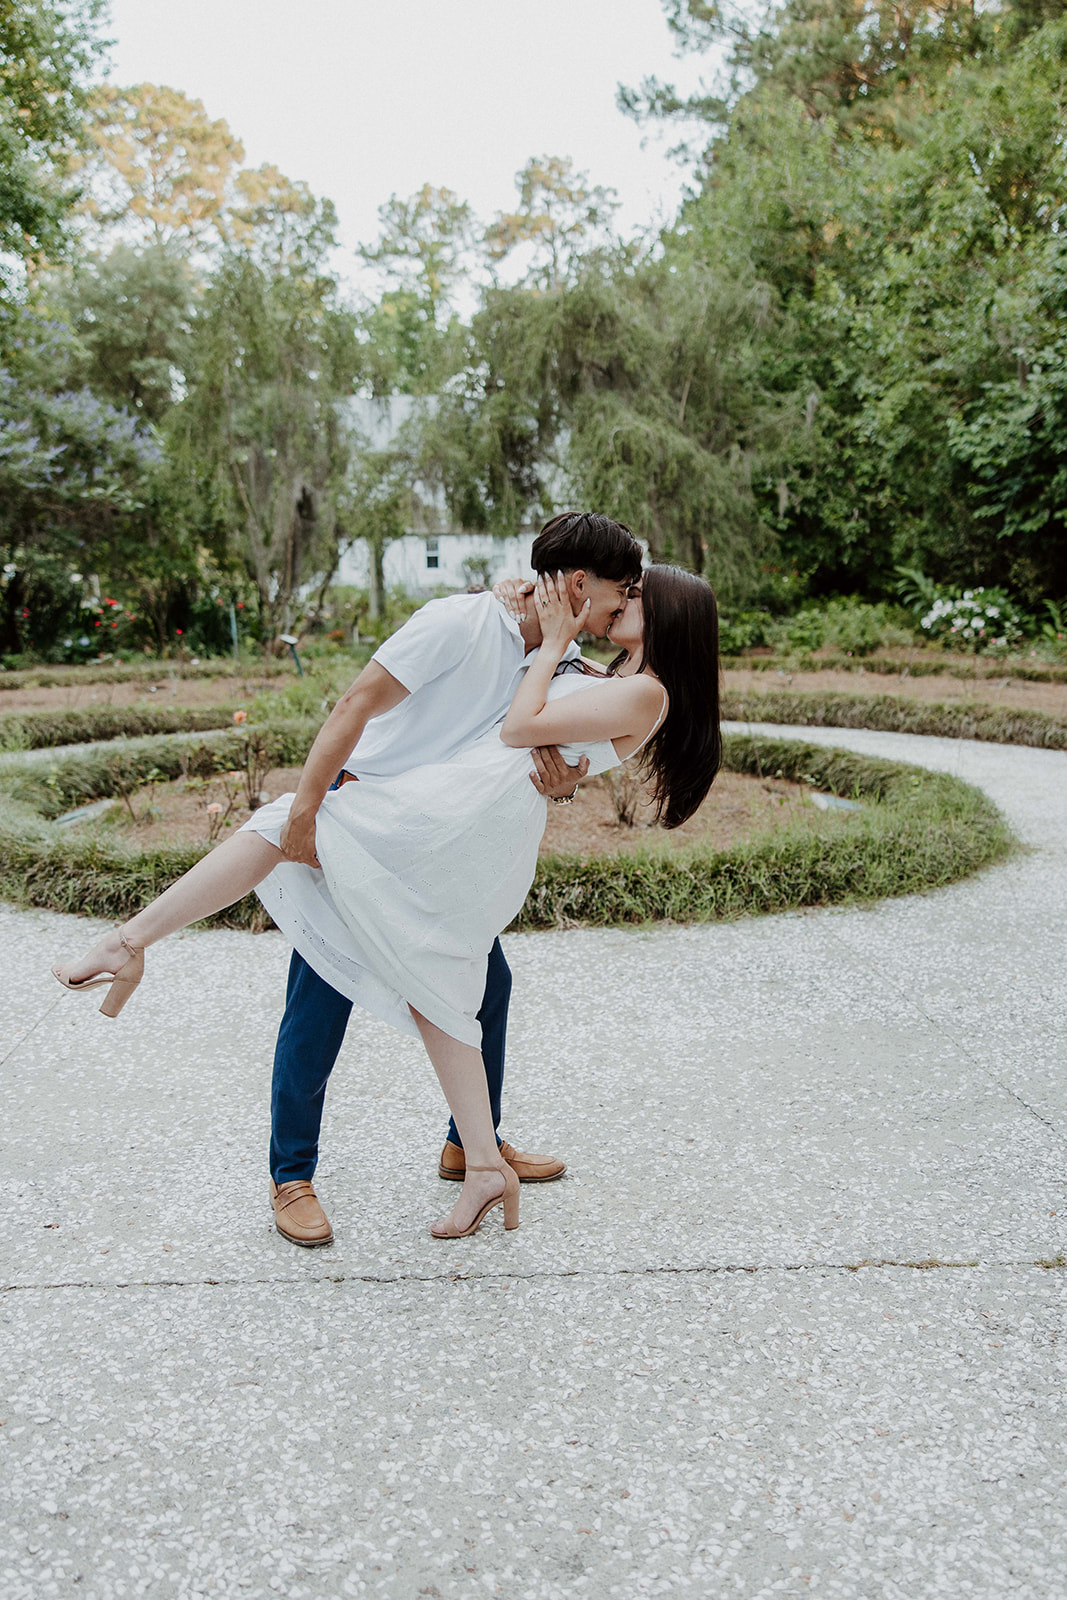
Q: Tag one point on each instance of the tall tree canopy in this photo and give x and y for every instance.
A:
(48, 50)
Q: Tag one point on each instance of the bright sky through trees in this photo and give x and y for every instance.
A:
(363, 100)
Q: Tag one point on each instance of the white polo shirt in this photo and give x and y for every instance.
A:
(461, 660)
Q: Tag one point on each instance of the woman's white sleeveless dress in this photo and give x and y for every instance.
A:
(420, 873)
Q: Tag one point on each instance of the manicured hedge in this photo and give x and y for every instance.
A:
(934, 665)
(72, 677)
(896, 714)
(44, 730)
(917, 830)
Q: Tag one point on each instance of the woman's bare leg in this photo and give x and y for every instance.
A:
(222, 877)
(461, 1074)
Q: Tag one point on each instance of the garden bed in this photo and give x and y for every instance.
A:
(915, 830)
(1020, 693)
(195, 810)
(971, 719)
(921, 663)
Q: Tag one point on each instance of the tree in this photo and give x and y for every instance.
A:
(159, 169)
(557, 217)
(635, 390)
(384, 507)
(425, 244)
(75, 473)
(47, 52)
(891, 178)
(130, 312)
(273, 353)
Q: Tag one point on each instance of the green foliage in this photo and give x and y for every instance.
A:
(917, 830)
(636, 385)
(896, 714)
(893, 177)
(260, 432)
(847, 356)
(47, 51)
(130, 313)
(40, 730)
(983, 619)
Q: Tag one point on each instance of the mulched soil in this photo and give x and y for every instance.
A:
(161, 691)
(1014, 692)
(180, 692)
(176, 813)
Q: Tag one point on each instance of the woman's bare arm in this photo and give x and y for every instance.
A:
(622, 709)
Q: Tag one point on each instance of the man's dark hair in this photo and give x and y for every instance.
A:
(585, 541)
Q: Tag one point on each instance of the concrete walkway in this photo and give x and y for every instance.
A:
(786, 1328)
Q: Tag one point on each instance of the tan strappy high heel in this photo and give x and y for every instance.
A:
(121, 983)
(508, 1198)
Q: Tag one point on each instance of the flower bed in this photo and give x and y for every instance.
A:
(915, 830)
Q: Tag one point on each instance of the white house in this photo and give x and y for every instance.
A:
(432, 557)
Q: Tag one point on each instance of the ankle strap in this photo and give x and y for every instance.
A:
(499, 1168)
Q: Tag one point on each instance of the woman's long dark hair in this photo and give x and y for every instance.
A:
(681, 646)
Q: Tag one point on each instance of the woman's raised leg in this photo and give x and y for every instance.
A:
(226, 875)
(461, 1074)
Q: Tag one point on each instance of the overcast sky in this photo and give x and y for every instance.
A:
(363, 99)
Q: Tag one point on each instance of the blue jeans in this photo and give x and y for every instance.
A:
(309, 1040)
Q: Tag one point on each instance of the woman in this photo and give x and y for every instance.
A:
(421, 872)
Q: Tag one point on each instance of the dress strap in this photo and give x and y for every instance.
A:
(652, 730)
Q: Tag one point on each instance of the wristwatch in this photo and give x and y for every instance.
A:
(565, 799)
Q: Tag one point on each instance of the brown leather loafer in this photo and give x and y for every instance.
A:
(298, 1216)
(527, 1168)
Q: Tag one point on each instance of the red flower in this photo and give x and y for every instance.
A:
(179, 632)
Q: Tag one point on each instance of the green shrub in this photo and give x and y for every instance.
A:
(26, 676)
(40, 730)
(931, 665)
(746, 630)
(851, 626)
(53, 787)
(896, 714)
(917, 830)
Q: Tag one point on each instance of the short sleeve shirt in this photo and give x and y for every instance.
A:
(461, 659)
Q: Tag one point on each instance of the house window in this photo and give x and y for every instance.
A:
(432, 557)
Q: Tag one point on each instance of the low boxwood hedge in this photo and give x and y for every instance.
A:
(896, 713)
(916, 830)
(45, 730)
(933, 665)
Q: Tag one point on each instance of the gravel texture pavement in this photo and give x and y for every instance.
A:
(791, 1325)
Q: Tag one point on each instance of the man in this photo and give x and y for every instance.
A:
(462, 652)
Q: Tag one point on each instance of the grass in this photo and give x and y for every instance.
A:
(917, 831)
(896, 714)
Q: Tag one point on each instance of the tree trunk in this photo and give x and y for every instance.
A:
(375, 576)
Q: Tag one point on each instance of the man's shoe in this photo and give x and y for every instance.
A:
(527, 1168)
(298, 1216)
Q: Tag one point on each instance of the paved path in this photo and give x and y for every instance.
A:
(783, 1330)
